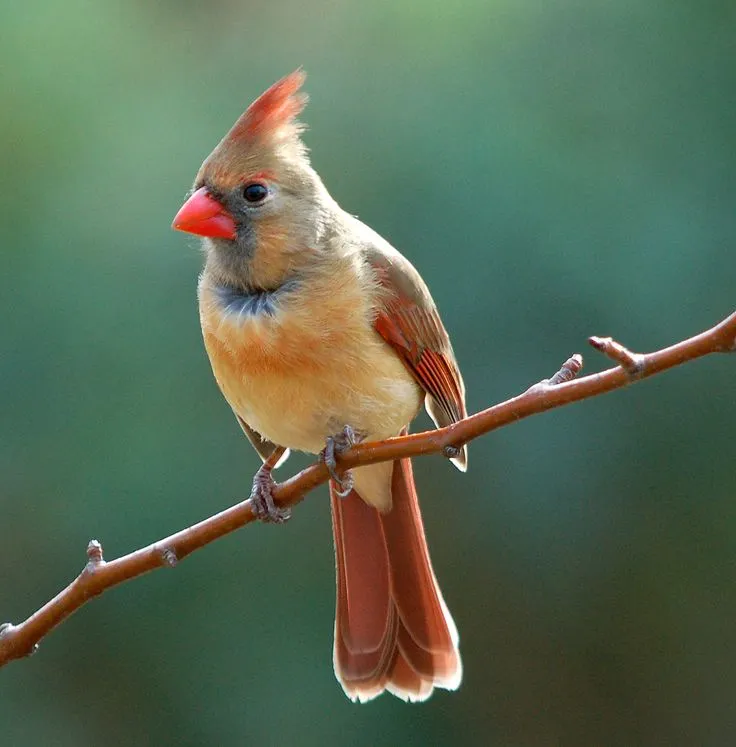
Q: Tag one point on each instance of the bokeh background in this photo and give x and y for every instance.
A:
(555, 170)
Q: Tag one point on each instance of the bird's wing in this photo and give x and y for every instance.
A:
(263, 446)
(407, 319)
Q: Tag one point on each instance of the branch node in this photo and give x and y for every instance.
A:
(569, 370)
(633, 363)
(94, 552)
(169, 557)
(451, 452)
(7, 630)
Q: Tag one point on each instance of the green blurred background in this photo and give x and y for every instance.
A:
(555, 170)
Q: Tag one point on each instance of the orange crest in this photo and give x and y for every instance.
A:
(276, 108)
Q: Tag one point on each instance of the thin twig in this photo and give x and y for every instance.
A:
(632, 363)
(563, 388)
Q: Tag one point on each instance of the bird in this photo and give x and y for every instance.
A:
(320, 334)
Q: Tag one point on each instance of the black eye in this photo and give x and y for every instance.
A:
(255, 193)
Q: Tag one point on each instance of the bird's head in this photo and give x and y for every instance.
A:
(256, 200)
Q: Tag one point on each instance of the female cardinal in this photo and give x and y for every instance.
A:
(313, 324)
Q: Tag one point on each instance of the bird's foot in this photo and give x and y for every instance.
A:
(261, 496)
(335, 446)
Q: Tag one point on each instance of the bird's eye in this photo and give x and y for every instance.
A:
(255, 193)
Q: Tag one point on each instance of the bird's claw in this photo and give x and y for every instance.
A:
(344, 484)
(336, 445)
(261, 496)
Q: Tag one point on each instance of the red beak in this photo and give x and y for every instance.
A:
(203, 215)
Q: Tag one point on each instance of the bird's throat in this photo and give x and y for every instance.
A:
(242, 303)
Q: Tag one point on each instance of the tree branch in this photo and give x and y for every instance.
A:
(563, 388)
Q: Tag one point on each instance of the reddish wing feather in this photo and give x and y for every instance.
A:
(417, 335)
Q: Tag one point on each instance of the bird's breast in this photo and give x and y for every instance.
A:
(300, 362)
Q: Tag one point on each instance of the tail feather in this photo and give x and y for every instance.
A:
(407, 684)
(365, 601)
(393, 630)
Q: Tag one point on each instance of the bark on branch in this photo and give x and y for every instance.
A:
(563, 388)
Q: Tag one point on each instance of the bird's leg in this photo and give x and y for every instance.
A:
(335, 446)
(261, 494)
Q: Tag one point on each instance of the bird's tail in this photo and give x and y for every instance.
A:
(393, 630)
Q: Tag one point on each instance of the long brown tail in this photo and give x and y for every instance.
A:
(393, 630)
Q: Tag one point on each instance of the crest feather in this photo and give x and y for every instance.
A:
(273, 110)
